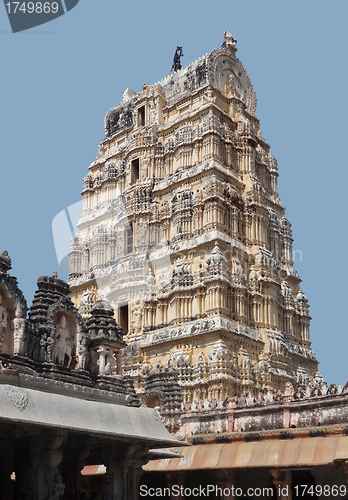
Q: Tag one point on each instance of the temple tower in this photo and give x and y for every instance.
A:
(183, 232)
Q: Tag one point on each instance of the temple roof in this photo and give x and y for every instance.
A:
(51, 409)
(214, 69)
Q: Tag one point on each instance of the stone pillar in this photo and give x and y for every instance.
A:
(121, 481)
(282, 482)
(7, 466)
(74, 461)
(124, 473)
(46, 456)
(115, 485)
(136, 474)
(101, 362)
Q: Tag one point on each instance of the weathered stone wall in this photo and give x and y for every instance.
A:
(282, 411)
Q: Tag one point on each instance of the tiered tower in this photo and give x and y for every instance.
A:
(183, 232)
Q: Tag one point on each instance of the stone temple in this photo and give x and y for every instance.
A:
(183, 313)
(184, 233)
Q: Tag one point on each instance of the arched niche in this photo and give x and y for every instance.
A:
(153, 401)
(7, 316)
(65, 340)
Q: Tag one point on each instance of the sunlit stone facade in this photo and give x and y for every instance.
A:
(183, 232)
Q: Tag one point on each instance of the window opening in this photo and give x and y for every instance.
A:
(134, 170)
(124, 318)
(153, 401)
(129, 239)
(141, 116)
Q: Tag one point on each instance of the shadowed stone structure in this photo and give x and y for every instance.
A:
(63, 401)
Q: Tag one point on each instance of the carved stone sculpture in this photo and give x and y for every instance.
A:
(176, 62)
(18, 331)
(229, 86)
(137, 316)
(63, 346)
(82, 353)
(106, 361)
(229, 40)
(88, 299)
(3, 322)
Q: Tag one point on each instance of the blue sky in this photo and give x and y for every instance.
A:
(59, 80)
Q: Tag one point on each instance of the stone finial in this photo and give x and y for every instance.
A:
(128, 94)
(55, 275)
(230, 41)
(176, 62)
(5, 262)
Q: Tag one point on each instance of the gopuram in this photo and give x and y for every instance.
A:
(184, 234)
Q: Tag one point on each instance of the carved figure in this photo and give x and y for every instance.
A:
(107, 361)
(150, 280)
(159, 366)
(63, 343)
(137, 316)
(89, 298)
(229, 40)
(236, 267)
(18, 330)
(229, 86)
(286, 290)
(3, 321)
(171, 361)
(56, 486)
(176, 62)
(81, 353)
(110, 367)
(289, 391)
(145, 367)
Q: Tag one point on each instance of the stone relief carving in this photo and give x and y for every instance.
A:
(18, 324)
(229, 88)
(219, 352)
(89, 298)
(3, 322)
(106, 361)
(137, 316)
(19, 398)
(290, 393)
(229, 40)
(198, 327)
(56, 486)
(81, 353)
(180, 356)
(64, 343)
